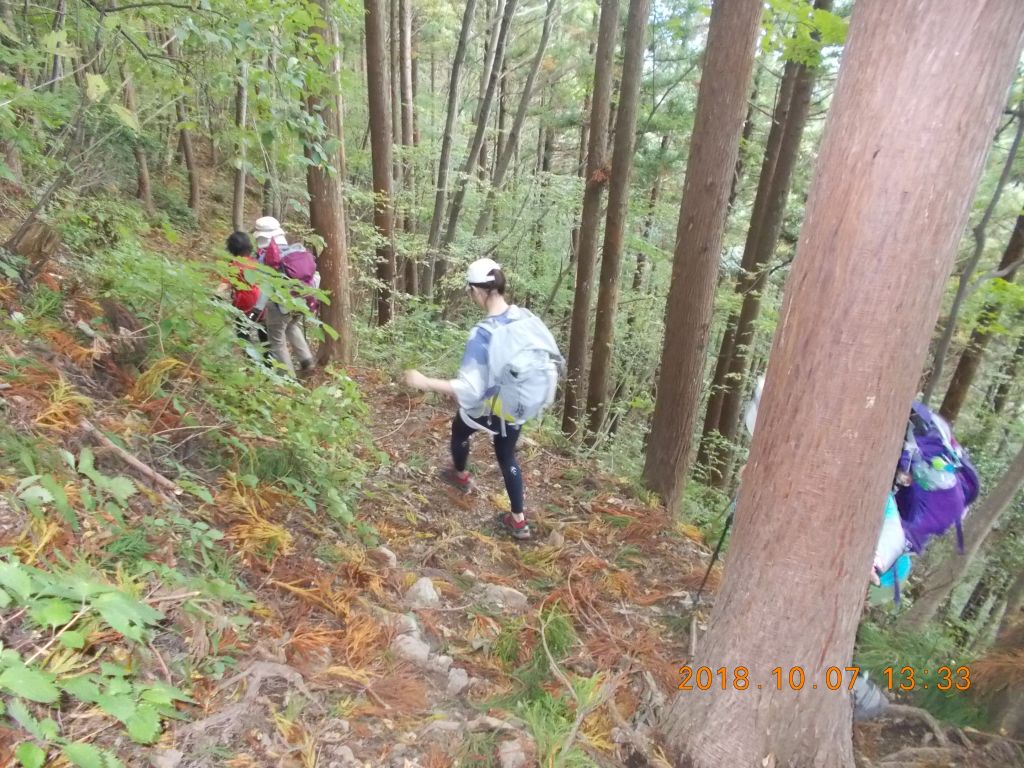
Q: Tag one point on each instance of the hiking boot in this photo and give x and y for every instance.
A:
(455, 480)
(306, 368)
(519, 531)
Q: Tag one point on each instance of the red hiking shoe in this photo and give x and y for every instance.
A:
(461, 482)
(519, 531)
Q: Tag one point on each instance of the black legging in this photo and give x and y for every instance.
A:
(504, 449)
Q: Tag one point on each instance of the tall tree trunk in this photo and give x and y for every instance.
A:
(58, 24)
(10, 149)
(590, 217)
(648, 228)
(327, 216)
(873, 193)
(395, 82)
(144, 189)
(1008, 375)
(455, 207)
(709, 455)
(185, 138)
(241, 109)
(441, 186)
(970, 359)
(502, 116)
(748, 131)
(508, 148)
(963, 283)
(408, 138)
(615, 223)
(714, 147)
(981, 522)
(768, 213)
(380, 149)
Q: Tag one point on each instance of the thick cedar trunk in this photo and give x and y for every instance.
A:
(508, 147)
(768, 213)
(455, 207)
(1008, 375)
(144, 189)
(327, 217)
(395, 83)
(380, 150)
(838, 373)
(241, 108)
(714, 147)
(615, 223)
(441, 186)
(980, 524)
(593, 190)
(408, 137)
(710, 456)
(963, 282)
(970, 359)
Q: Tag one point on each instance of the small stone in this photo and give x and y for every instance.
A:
(555, 539)
(411, 649)
(407, 625)
(443, 726)
(511, 754)
(335, 731)
(345, 757)
(442, 663)
(468, 574)
(458, 681)
(390, 558)
(505, 597)
(422, 595)
(167, 758)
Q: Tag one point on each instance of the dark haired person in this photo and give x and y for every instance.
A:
(486, 401)
(247, 299)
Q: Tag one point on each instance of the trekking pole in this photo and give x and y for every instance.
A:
(718, 548)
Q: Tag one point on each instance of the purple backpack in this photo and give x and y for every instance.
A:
(943, 481)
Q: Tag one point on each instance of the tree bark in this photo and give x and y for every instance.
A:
(615, 223)
(241, 109)
(714, 147)
(327, 217)
(441, 186)
(408, 138)
(980, 524)
(710, 454)
(380, 150)
(837, 373)
(58, 25)
(963, 283)
(768, 213)
(508, 147)
(144, 189)
(455, 207)
(748, 131)
(970, 359)
(590, 218)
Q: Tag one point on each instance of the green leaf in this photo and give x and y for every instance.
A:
(120, 706)
(83, 687)
(5, 599)
(96, 87)
(29, 755)
(84, 755)
(72, 639)
(125, 614)
(33, 684)
(19, 712)
(36, 494)
(127, 117)
(113, 670)
(85, 461)
(144, 725)
(121, 488)
(60, 499)
(15, 577)
(52, 612)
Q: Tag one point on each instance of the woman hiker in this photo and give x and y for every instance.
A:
(487, 401)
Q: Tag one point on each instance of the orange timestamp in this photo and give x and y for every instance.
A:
(781, 678)
(942, 678)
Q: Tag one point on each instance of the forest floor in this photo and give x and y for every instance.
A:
(430, 640)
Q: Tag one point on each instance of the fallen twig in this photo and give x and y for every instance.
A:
(130, 460)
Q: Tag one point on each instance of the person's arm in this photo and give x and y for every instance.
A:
(417, 380)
